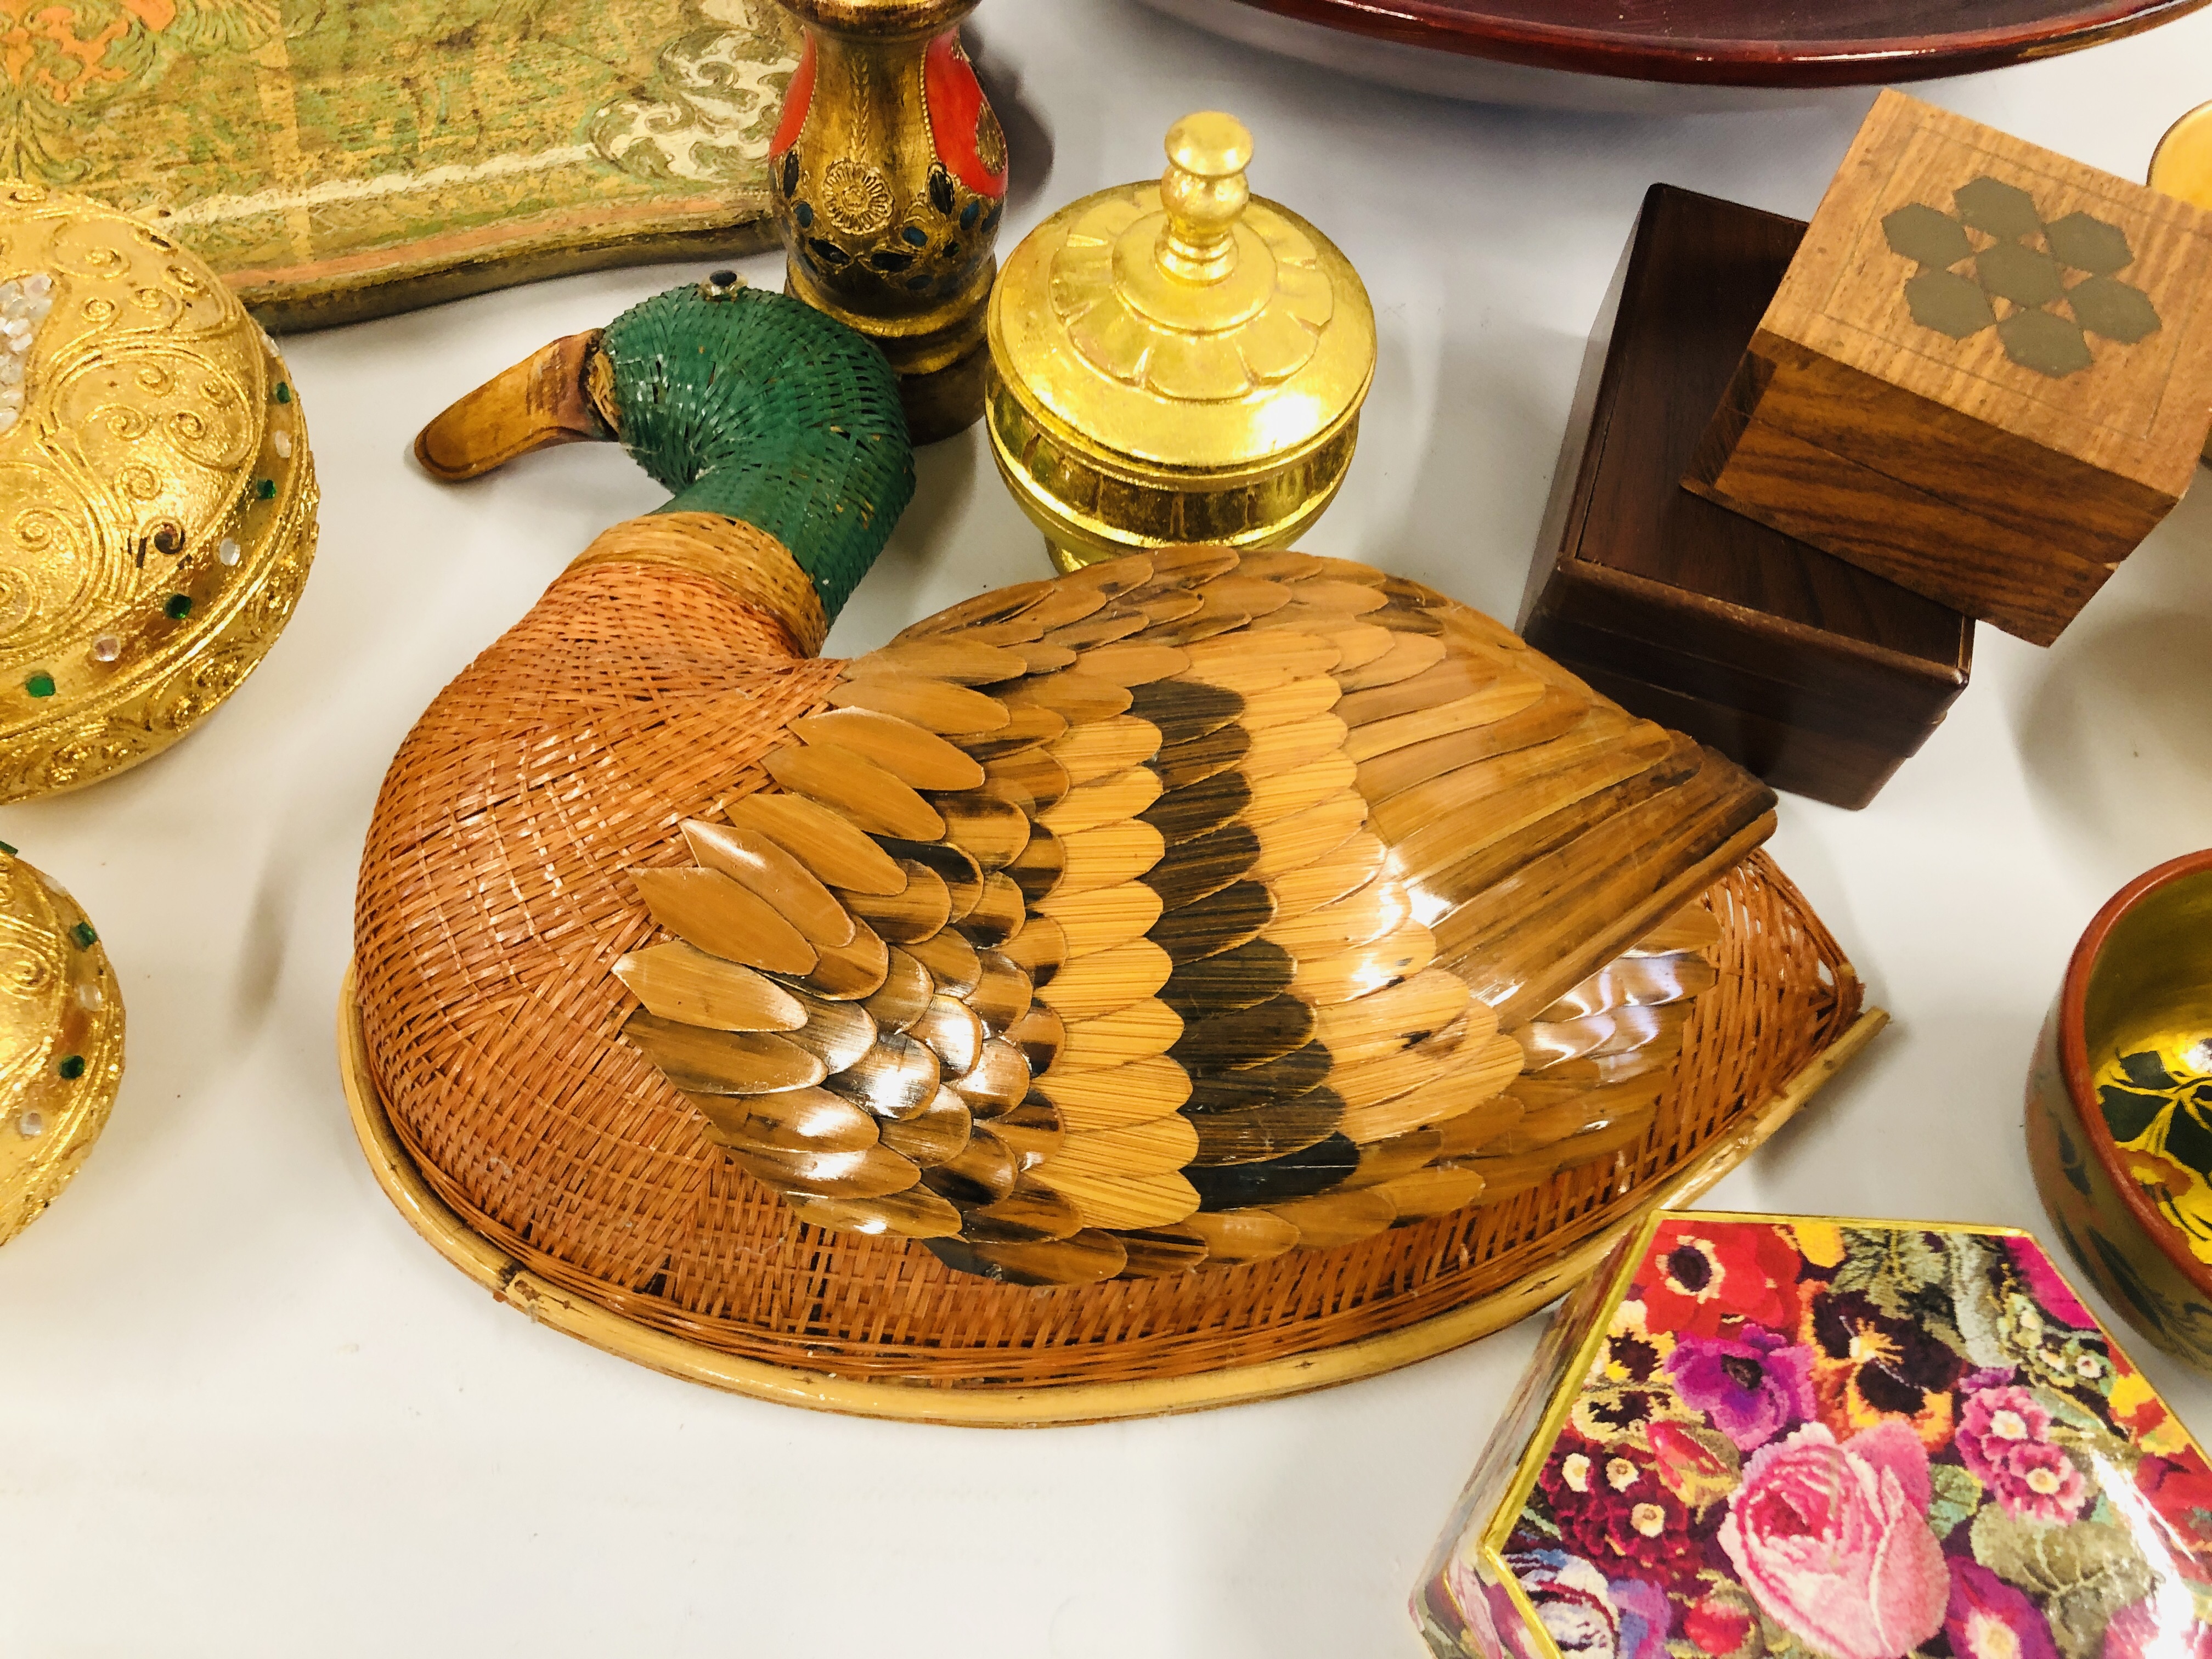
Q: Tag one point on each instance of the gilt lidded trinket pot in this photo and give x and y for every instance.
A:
(1799, 1435)
(1127, 934)
(157, 499)
(2182, 164)
(1178, 361)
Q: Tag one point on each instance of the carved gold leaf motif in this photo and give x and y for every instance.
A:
(855, 197)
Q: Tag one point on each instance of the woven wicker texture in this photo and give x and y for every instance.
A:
(491, 1028)
(751, 406)
(750, 563)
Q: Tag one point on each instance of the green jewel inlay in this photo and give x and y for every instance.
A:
(5, 848)
(177, 606)
(40, 684)
(82, 933)
(72, 1068)
(284, 393)
(266, 489)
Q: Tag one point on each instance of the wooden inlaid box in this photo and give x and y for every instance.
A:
(1987, 376)
(1811, 672)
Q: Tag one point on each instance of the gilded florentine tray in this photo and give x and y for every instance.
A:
(335, 161)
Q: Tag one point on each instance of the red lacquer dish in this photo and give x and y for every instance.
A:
(1745, 43)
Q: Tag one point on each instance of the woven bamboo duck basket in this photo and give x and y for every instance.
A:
(657, 683)
(752, 1300)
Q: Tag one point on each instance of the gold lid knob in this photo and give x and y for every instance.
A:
(1205, 195)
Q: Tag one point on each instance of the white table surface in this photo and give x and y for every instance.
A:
(245, 1410)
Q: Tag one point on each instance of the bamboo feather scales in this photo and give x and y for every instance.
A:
(1191, 909)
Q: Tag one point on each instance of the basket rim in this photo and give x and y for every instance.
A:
(983, 1406)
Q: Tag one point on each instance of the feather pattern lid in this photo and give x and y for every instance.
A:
(1184, 323)
(160, 498)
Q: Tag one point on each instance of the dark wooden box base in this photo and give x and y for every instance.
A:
(1820, 677)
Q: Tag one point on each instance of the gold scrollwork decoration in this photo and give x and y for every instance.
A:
(163, 491)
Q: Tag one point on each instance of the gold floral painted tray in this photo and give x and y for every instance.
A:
(335, 161)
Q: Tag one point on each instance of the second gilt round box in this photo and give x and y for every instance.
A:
(61, 1040)
(157, 499)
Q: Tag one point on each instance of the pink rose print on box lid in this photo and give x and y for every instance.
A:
(1799, 1437)
(1833, 1544)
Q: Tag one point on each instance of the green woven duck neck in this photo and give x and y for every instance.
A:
(761, 408)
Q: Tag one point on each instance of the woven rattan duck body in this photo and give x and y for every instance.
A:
(1191, 908)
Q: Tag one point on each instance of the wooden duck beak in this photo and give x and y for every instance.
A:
(548, 399)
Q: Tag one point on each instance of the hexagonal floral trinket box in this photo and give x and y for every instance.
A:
(1812, 1438)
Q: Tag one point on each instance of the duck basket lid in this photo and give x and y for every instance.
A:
(160, 499)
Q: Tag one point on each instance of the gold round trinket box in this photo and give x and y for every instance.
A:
(61, 1041)
(157, 501)
(1177, 363)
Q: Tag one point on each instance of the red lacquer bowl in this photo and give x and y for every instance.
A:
(1742, 43)
(2142, 974)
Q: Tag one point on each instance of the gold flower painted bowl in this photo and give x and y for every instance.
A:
(61, 1041)
(2119, 1106)
(157, 501)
